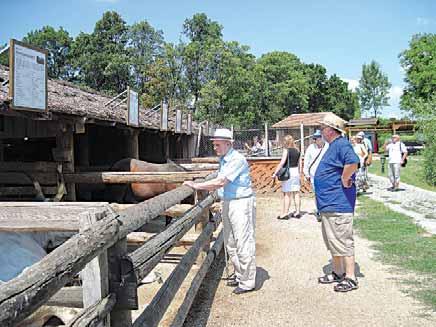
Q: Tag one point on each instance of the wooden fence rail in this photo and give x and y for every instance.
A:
(36, 285)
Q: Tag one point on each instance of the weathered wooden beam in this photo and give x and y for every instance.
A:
(147, 256)
(128, 177)
(205, 160)
(93, 315)
(154, 312)
(173, 212)
(41, 166)
(22, 295)
(183, 310)
(21, 178)
(71, 297)
(25, 190)
(200, 166)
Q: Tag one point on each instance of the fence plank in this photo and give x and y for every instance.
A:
(183, 310)
(154, 312)
(94, 276)
(95, 314)
(145, 258)
(24, 294)
(71, 297)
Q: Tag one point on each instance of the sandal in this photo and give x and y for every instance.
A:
(285, 217)
(346, 285)
(298, 216)
(331, 278)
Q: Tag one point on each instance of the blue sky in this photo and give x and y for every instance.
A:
(339, 34)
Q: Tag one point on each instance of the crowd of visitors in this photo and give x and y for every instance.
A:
(336, 169)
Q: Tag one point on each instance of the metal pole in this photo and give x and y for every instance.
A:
(302, 138)
(266, 139)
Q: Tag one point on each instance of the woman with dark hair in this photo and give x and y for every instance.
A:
(290, 187)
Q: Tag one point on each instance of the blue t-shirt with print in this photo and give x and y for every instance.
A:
(331, 195)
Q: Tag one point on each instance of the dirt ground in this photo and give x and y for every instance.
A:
(290, 257)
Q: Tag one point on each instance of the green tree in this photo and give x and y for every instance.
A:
(145, 47)
(4, 57)
(101, 59)
(317, 78)
(419, 64)
(340, 100)
(283, 86)
(58, 44)
(200, 55)
(419, 97)
(373, 88)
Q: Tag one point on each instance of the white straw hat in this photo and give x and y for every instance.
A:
(222, 134)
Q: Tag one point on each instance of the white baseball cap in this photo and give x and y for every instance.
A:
(222, 134)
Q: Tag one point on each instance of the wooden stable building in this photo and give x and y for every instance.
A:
(78, 132)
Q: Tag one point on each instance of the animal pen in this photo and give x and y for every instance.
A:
(65, 153)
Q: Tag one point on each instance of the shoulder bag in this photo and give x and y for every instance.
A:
(283, 173)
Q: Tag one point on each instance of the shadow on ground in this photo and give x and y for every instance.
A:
(201, 307)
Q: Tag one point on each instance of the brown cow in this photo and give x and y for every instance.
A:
(137, 192)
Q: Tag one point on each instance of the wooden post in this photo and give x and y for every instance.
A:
(95, 281)
(132, 145)
(266, 139)
(197, 149)
(64, 153)
(120, 317)
(83, 160)
(202, 222)
(302, 138)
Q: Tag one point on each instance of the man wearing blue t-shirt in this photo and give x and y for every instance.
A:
(336, 197)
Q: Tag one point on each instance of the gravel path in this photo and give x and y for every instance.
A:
(290, 257)
(412, 201)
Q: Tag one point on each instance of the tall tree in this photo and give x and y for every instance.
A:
(419, 64)
(58, 44)
(145, 47)
(373, 88)
(200, 54)
(101, 59)
(340, 100)
(419, 97)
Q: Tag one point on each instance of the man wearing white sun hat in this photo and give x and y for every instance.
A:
(239, 209)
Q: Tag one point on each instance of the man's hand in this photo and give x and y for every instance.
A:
(191, 184)
(347, 183)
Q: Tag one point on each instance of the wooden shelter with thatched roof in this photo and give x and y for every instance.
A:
(80, 131)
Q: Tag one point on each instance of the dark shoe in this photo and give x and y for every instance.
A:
(331, 278)
(346, 285)
(318, 217)
(285, 217)
(298, 216)
(232, 283)
(239, 291)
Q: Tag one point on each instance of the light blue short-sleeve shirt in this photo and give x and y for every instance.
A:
(234, 167)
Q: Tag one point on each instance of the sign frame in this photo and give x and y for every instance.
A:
(179, 118)
(12, 66)
(130, 114)
(164, 111)
(189, 123)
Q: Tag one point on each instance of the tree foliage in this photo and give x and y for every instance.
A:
(373, 88)
(58, 44)
(219, 80)
(419, 97)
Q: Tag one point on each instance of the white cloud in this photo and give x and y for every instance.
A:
(395, 93)
(423, 21)
(352, 83)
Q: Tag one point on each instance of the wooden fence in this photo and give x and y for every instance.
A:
(110, 274)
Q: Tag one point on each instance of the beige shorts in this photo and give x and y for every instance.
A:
(337, 231)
